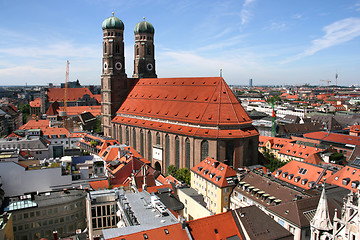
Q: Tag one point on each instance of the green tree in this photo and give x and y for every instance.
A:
(172, 170)
(273, 162)
(336, 157)
(97, 128)
(183, 175)
(25, 110)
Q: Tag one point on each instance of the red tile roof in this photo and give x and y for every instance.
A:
(275, 142)
(299, 151)
(214, 171)
(53, 109)
(215, 227)
(348, 177)
(35, 124)
(334, 137)
(73, 94)
(188, 130)
(170, 232)
(301, 174)
(55, 131)
(76, 110)
(314, 159)
(99, 185)
(179, 99)
(36, 102)
(355, 128)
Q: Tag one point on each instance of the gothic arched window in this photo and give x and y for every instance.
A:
(204, 149)
(167, 151)
(137, 50)
(149, 146)
(134, 138)
(158, 138)
(177, 152)
(187, 153)
(105, 50)
(142, 143)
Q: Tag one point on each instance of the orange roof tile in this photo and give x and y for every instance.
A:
(276, 142)
(53, 109)
(55, 131)
(301, 174)
(76, 110)
(179, 99)
(314, 159)
(73, 94)
(299, 151)
(36, 102)
(219, 226)
(214, 171)
(355, 128)
(35, 124)
(99, 185)
(334, 137)
(170, 232)
(348, 177)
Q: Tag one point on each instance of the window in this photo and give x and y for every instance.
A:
(117, 48)
(127, 135)
(105, 48)
(141, 142)
(291, 229)
(204, 149)
(167, 151)
(187, 153)
(149, 146)
(134, 138)
(177, 151)
(158, 138)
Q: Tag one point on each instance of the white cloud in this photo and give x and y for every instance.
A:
(276, 26)
(336, 33)
(245, 13)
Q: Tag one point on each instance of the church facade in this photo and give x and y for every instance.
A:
(170, 121)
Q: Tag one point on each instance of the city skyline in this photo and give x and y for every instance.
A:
(273, 43)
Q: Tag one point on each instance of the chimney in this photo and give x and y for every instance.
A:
(55, 234)
(144, 186)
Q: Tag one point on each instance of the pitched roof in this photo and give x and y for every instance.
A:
(258, 225)
(36, 102)
(347, 177)
(334, 137)
(73, 94)
(298, 150)
(99, 185)
(314, 159)
(301, 174)
(218, 226)
(53, 109)
(215, 172)
(202, 100)
(171, 232)
(275, 142)
(76, 110)
(35, 124)
(51, 132)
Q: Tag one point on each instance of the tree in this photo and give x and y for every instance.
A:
(172, 170)
(25, 110)
(274, 163)
(182, 174)
(97, 128)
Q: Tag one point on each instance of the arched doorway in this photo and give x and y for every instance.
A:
(157, 166)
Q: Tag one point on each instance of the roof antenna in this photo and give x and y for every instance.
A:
(220, 72)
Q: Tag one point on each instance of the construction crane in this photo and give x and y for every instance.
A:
(328, 81)
(63, 113)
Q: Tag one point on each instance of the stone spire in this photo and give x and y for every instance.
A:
(321, 220)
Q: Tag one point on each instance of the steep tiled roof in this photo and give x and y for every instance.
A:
(205, 101)
(348, 177)
(76, 110)
(35, 124)
(99, 185)
(260, 188)
(73, 94)
(314, 159)
(215, 172)
(299, 151)
(276, 142)
(169, 232)
(219, 226)
(334, 137)
(36, 102)
(258, 225)
(188, 130)
(53, 109)
(50, 132)
(301, 174)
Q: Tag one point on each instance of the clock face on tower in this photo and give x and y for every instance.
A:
(105, 65)
(149, 67)
(118, 66)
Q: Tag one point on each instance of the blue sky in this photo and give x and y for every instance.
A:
(271, 41)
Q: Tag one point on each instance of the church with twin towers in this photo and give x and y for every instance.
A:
(170, 121)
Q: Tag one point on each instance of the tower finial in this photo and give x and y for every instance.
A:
(220, 72)
(144, 18)
(113, 13)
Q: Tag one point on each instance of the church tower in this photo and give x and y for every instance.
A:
(114, 82)
(144, 60)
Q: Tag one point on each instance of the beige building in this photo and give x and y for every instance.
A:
(215, 181)
(6, 226)
(170, 121)
(194, 204)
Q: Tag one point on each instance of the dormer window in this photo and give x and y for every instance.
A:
(206, 171)
(200, 168)
(304, 181)
(278, 172)
(355, 184)
(296, 179)
(217, 178)
(346, 181)
(285, 174)
(290, 176)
